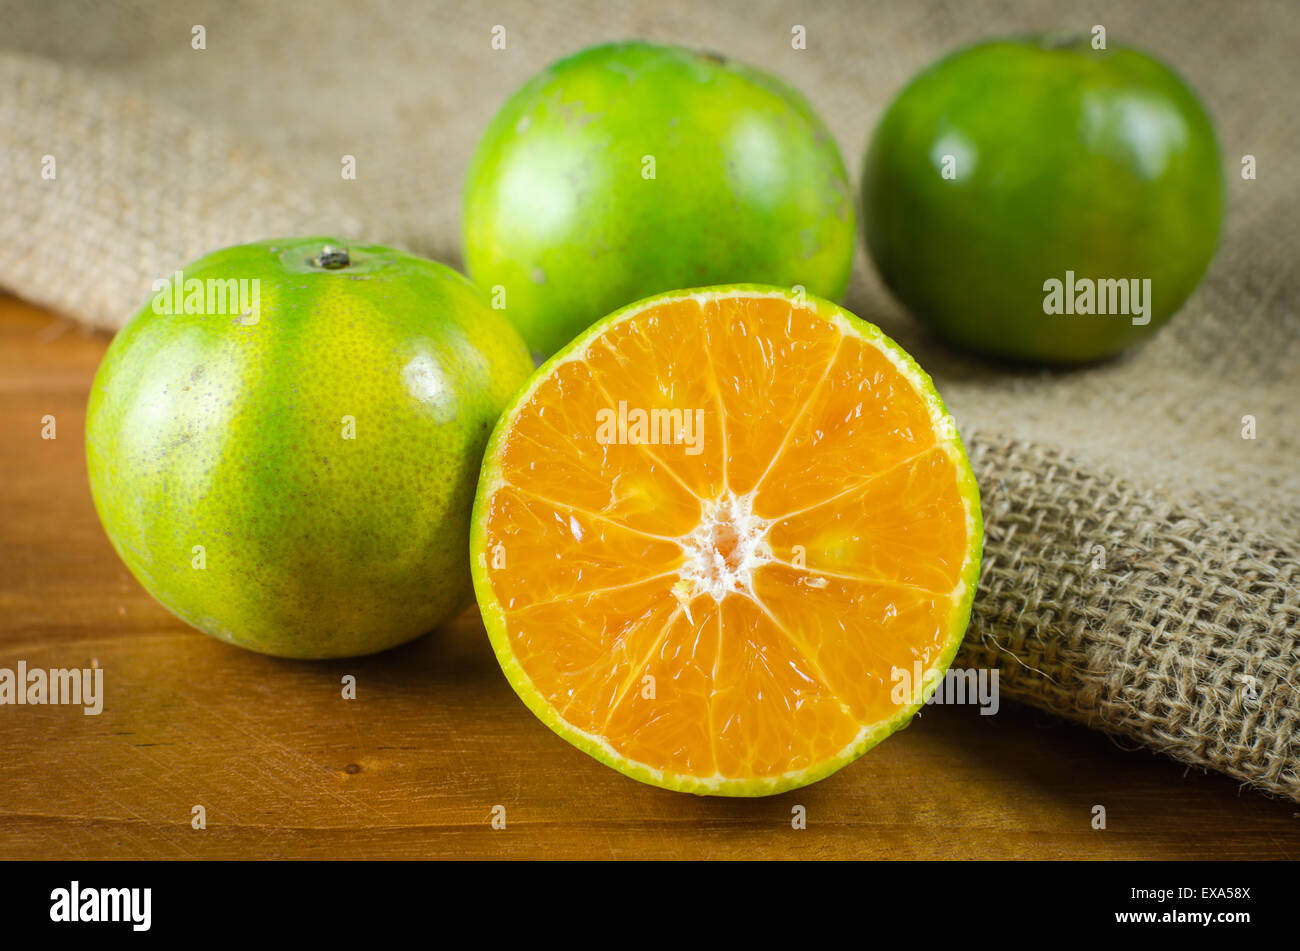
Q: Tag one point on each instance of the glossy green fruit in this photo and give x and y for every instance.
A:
(289, 463)
(631, 169)
(1016, 163)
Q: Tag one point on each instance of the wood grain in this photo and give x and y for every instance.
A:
(412, 768)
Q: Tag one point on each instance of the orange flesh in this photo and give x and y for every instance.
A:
(733, 606)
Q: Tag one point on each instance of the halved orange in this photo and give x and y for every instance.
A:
(718, 536)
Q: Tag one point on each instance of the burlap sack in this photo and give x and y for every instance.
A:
(1140, 570)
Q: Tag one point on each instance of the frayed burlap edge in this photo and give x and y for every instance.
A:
(1121, 611)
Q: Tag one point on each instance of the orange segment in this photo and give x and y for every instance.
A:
(640, 369)
(905, 625)
(767, 354)
(730, 620)
(865, 418)
(556, 452)
(773, 710)
(584, 653)
(896, 526)
(663, 716)
(544, 552)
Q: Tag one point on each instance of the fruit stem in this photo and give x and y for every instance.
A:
(331, 258)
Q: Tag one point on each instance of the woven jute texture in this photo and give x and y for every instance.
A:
(1140, 571)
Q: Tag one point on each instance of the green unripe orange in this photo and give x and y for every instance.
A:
(631, 169)
(289, 463)
(1016, 163)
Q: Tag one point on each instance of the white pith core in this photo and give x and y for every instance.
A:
(724, 550)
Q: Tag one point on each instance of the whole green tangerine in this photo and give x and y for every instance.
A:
(1021, 161)
(292, 470)
(630, 169)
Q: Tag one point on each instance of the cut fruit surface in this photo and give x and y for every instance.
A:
(717, 536)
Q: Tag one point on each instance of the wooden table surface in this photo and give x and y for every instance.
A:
(435, 739)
